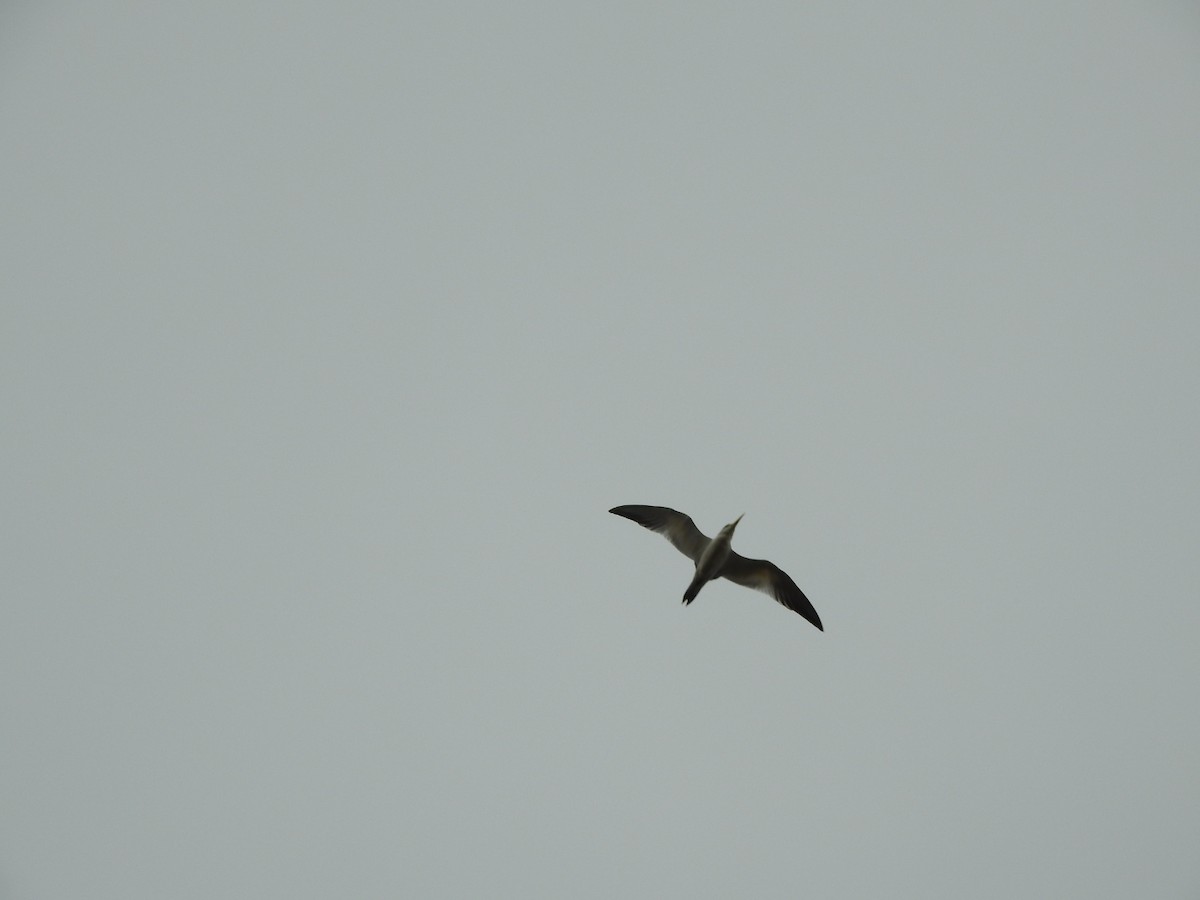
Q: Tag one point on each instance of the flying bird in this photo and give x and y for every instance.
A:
(714, 558)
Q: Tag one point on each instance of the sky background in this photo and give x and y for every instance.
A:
(330, 333)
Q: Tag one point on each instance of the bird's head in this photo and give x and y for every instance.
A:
(728, 529)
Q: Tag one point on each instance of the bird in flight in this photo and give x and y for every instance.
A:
(714, 558)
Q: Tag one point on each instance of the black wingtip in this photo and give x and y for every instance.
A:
(632, 512)
(810, 616)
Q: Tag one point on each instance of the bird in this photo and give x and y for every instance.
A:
(714, 558)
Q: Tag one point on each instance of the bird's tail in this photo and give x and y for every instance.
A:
(694, 588)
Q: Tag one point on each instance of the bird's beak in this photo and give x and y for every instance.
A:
(738, 519)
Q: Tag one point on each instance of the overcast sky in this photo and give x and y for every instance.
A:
(330, 332)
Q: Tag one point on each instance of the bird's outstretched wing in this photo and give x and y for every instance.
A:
(677, 528)
(771, 580)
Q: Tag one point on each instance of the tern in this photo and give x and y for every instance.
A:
(714, 558)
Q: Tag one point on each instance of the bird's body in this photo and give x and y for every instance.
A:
(715, 558)
(711, 560)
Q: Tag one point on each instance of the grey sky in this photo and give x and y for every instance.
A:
(330, 333)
